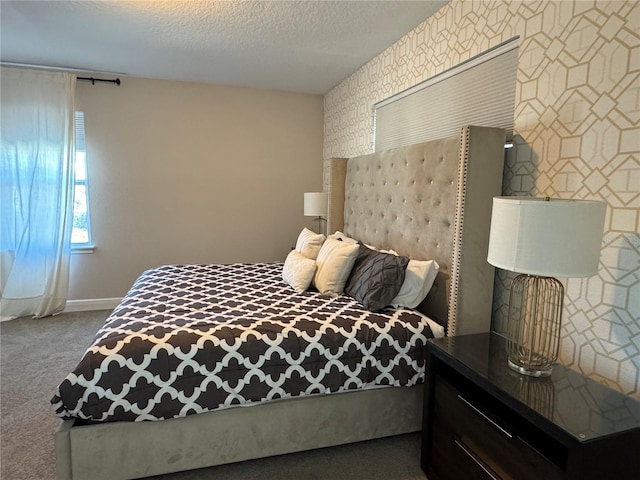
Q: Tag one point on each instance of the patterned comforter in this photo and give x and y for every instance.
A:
(193, 338)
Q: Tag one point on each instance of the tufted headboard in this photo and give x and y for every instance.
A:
(429, 201)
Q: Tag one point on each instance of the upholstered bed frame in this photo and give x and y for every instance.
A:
(427, 201)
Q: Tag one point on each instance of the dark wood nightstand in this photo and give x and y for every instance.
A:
(482, 420)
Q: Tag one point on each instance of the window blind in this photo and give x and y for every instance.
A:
(480, 91)
(79, 129)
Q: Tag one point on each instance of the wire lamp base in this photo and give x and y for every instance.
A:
(533, 331)
(320, 229)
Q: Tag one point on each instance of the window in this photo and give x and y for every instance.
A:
(81, 234)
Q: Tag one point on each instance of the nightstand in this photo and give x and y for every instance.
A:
(482, 420)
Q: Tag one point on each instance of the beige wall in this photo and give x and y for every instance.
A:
(185, 172)
(577, 116)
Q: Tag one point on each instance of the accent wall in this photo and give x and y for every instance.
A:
(577, 116)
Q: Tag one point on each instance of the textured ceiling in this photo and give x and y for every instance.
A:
(302, 46)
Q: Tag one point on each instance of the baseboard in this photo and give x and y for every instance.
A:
(91, 304)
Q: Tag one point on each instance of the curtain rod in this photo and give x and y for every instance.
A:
(61, 69)
(93, 81)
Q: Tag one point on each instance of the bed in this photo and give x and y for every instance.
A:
(427, 201)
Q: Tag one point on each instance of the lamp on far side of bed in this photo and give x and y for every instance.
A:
(316, 204)
(542, 238)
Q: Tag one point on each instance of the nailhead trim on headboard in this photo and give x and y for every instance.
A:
(458, 231)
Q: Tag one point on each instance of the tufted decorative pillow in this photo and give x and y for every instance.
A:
(309, 243)
(376, 278)
(334, 263)
(298, 271)
(418, 281)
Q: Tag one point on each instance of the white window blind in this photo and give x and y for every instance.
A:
(79, 122)
(480, 91)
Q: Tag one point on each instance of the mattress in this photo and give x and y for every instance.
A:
(188, 339)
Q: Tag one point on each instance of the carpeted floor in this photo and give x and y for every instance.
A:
(35, 355)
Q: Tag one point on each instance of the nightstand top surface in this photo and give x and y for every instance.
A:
(582, 407)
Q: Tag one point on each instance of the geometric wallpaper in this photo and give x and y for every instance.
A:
(577, 135)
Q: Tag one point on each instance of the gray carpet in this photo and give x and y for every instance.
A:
(35, 355)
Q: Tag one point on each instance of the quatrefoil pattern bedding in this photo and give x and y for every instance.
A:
(188, 339)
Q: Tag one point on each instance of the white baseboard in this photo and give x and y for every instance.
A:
(91, 304)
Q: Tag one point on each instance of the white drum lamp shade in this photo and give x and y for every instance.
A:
(542, 238)
(554, 238)
(316, 204)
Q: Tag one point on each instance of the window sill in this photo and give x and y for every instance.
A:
(82, 249)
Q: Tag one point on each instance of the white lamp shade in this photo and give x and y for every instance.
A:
(316, 204)
(552, 238)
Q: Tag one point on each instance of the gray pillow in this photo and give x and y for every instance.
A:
(376, 278)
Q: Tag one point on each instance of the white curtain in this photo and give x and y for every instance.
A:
(36, 198)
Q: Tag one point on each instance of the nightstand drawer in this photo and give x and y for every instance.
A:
(453, 459)
(470, 442)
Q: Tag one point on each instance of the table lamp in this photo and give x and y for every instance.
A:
(542, 238)
(316, 204)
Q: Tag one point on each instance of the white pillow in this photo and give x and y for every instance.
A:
(392, 252)
(341, 236)
(334, 262)
(418, 280)
(298, 271)
(309, 243)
